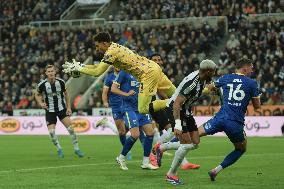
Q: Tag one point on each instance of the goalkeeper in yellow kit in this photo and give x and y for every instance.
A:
(147, 72)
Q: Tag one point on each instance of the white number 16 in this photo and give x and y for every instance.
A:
(237, 94)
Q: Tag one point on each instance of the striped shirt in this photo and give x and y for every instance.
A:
(191, 88)
(53, 94)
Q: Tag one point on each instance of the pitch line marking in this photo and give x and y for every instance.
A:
(113, 163)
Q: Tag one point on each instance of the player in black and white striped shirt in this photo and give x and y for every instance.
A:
(52, 96)
(188, 91)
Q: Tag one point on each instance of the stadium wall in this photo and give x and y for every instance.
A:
(267, 126)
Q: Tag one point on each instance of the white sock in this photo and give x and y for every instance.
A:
(73, 137)
(170, 146)
(165, 137)
(218, 168)
(184, 161)
(156, 136)
(112, 127)
(54, 138)
(145, 160)
(179, 156)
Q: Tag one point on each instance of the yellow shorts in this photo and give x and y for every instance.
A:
(154, 80)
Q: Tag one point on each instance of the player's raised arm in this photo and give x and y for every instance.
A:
(95, 71)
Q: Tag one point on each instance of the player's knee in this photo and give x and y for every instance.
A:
(135, 135)
(241, 149)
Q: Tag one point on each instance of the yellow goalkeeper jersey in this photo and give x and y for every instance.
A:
(123, 58)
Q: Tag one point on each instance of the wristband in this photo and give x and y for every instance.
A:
(178, 125)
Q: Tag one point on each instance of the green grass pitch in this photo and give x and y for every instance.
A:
(31, 162)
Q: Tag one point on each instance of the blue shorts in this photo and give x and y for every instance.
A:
(117, 113)
(233, 129)
(134, 119)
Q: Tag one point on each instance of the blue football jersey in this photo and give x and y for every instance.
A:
(114, 100)
(127, 82)
(237, 91)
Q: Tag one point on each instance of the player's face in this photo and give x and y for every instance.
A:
(210, 74)
(158, 60)
(50, 73)
(101, 47)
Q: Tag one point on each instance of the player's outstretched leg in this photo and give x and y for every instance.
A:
(55, 141)
(74, 139)
(107, 123)
(230, 159)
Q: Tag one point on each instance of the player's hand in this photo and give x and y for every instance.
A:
(131, 92)
(177, 132)
(106, 105)
(43, 105)
(72, 66)
(69, 112)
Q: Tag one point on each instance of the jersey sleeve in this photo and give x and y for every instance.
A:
(111, 54)
(119, 78)
(39, 88)
(219, 82)
(107, 82)
(63, 85)
(255, 91)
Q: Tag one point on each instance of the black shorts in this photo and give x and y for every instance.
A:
(51, 117)
(187, 121)
(161, 117)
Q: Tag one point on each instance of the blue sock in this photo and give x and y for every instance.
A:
(122, 139)
(142, 137)
(148, 145)
(128, 145)
(231, 158)
(175, 139)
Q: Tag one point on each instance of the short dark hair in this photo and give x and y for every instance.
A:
(102, 37)
(154, 54)
(243, 62)
(49, 66)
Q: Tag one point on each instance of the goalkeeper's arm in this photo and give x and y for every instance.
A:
(94, 70)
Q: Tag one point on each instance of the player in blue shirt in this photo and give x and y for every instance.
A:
(113, 101)
(128, 87)
(237, 90)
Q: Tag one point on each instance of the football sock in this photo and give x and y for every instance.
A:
(231, 158)
(141, 137)
(128, 145)
(122, 139)
(148, 145)
(184, 161)
(112, 127)
(170, 146)
(156, 135)
(73, 137)
(166, 136)
(179, 156)
(54, 138)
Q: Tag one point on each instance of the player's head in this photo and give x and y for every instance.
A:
(157, 58)
(244, 66)
(50, 71)
(207, 69)
(102, 41)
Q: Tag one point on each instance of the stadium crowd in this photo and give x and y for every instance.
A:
(158, 9)
(24, 54)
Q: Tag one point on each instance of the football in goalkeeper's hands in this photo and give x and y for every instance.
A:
(75, 74)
